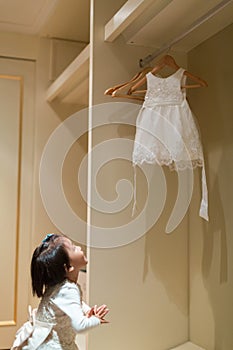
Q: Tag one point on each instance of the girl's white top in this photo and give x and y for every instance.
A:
(59, 317)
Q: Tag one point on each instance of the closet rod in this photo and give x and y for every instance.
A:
(195, 24)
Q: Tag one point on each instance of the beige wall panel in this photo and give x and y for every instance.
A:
(10, 134)
(18, 45)
(211, 254)
(48, 116)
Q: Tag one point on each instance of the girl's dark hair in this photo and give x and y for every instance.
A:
(48, 264)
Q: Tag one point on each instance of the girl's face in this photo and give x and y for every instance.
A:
(76, 255)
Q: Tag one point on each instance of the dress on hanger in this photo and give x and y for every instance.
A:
(166, 130)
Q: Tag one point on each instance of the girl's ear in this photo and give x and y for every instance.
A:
(69, 268)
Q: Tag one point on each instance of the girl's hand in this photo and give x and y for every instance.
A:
(99, 312)
(90, 312)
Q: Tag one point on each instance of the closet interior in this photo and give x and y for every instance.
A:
(165, 290)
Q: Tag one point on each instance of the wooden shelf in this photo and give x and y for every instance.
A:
(72, 85)
(148, 23)
(124, 17)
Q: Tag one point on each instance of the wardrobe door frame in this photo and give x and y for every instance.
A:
(17, 119)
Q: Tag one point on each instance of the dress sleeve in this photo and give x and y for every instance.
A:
(69, 301)
(85, 307)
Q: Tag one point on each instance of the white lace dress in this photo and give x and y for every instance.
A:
(166, 130)
(59, 317)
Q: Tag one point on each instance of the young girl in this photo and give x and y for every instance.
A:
(61, 313)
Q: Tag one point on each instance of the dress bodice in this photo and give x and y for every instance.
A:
(62, 333)
(164, 91)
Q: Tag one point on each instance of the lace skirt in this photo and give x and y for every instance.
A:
(169, 135)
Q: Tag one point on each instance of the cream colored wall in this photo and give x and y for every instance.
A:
(144, 283)
(211, 254)
(18, 45)
(48, 116)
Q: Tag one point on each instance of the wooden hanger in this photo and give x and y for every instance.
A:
(112, 89)
(123, 90)
(134, 96)
(168, 60)
(118, 90)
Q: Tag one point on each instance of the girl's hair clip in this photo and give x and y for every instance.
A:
(48, 236)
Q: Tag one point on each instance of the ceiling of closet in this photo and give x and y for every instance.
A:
(158, 23)
(50, 18)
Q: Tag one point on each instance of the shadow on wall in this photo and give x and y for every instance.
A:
(166, 255)
(217, 277)
(215, 109)
(216, 227)
(64, 111)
